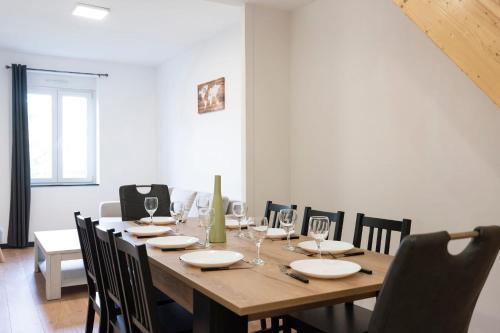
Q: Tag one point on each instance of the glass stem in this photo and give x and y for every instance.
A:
(207, 237)
(151, 218)
(288, 238)
(258, 251)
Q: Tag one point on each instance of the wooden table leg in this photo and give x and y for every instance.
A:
(37, 256)
(211, 317)
(53, 276)
(2, 258)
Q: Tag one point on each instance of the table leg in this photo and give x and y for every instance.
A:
(2, 258)
(53, 276)
(37, 256)
(211, 317)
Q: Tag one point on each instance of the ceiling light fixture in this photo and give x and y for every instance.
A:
(90, 11)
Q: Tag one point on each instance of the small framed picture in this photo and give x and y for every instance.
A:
(212, 96)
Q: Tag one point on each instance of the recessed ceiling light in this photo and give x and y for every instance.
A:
(90, 11)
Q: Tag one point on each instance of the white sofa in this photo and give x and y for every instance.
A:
(112, 208)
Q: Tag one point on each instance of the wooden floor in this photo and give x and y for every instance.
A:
(23, 308)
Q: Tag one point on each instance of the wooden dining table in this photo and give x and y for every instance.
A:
(225, 301)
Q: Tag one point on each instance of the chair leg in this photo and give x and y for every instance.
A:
(104, 326)
(263, 324)
(287, 328)
(275, 324)
(89, 325)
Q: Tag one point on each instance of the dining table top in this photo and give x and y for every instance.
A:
(265, 290)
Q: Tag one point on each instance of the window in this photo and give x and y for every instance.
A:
(62, 129)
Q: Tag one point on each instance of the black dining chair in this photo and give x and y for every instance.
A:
(132, 201)
(96, 301)
(343, 314)
(272, 210)
(336, 218)
(142, 313)
(271, 213)
(362, 221)
(426, 288)
(106, 251)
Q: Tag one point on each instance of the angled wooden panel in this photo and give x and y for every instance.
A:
(468, 31)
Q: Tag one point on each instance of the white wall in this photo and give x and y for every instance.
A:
(128, 144)
(194, 147)
(267, 106)
(382, 122)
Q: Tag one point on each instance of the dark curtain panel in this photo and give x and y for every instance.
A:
(20, 188)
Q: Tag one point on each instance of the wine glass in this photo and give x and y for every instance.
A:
(257, 233)
(240, 211)
(177, 212)
(207, 219)
(151, 205)
(287, 218)
(202, 202)
(319, 227)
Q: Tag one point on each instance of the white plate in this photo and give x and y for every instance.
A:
(212, 258)
(325, 268)
(158, 220)
(233, 224)
(277, 233)
(148, 230)
(327, 246)
(172, 242)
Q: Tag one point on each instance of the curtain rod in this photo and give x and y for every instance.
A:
(65, 72)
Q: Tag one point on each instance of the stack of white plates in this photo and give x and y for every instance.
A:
(327, 246)
(274, 233)
(325, 268)
(158, 220)
(212, 258)
(148, 230)
(233, 223)
(172, 242)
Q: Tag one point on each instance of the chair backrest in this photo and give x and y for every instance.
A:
(429, 290)
(86, 236)
(110, 209)
(404, 227)
(132, 201)
(113, 291)
(272, 210)
(137, 285)
(337, 218)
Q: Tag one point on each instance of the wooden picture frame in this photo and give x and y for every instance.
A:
(212, 96)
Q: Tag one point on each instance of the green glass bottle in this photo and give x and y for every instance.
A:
(218, 231)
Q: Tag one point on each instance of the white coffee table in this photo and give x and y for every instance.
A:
(59, 258)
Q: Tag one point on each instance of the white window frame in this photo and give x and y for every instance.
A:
(57, 94)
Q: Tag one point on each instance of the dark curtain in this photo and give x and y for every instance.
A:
(20, 188)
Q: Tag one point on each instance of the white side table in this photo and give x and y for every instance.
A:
(59, 258)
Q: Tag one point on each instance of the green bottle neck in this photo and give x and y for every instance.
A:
(217, 185)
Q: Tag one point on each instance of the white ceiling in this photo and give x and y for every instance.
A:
(136, 31)
(280, 4)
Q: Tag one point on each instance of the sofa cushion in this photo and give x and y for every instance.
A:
(193, 212)
(185, 196)
(110, 209)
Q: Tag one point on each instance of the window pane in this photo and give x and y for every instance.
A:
(40, 135)
(74, 137)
